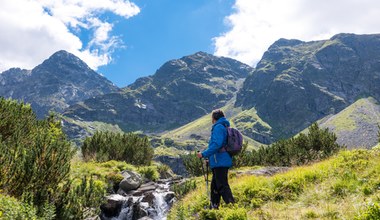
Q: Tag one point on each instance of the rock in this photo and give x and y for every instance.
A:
(150, 186)
(113, 206)
(131, 181)
(149, 198)
(147, 187)
(122, 192)
(145, 218)
(169, 197)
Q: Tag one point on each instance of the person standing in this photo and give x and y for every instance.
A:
(220, 161)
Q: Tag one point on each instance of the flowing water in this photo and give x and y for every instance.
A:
(156, 207)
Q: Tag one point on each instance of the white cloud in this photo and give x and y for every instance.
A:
(256, 24)
(32, 30)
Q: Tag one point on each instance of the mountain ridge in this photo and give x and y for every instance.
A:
(57, 82)
(180, 91)
(297, 83)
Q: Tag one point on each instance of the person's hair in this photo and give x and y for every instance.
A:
(217, 113)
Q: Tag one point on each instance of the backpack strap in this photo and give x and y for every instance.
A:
(223, 148)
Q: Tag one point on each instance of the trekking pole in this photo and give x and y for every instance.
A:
(205, 175)
(208, 189)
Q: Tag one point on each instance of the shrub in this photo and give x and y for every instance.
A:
(11, 208)
(164, 171)
(128, 147)
(80, 199)
(181, 189)
(372, 212)
(236, 214)
(34, 154)
(149, 172)
(193, 164)
(303, 149)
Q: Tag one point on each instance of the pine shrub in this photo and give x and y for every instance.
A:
(128, 147)
(193, 164)
(318, 144)
(34, 154)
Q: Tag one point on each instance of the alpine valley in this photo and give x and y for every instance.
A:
(295, 84)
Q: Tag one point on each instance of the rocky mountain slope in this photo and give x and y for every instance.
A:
(297, 83)
(180, 91)
(356, 125)
(61, 80)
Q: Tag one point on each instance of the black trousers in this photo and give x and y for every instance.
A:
(220, 187)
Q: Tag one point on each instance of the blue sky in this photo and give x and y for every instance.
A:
(164, 30)
(127, 39)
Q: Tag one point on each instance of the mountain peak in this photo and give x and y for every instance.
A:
(63, 58)
(59, 81)
(201, 54)
(282, 42)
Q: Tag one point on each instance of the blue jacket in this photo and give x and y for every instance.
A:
(218, 139)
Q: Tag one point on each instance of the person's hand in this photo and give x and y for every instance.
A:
(199, 155)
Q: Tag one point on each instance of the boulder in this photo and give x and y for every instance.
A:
(131, 181)
(169, 197)
(113, 205)
(149, 198)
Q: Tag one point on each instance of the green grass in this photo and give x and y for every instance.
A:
(168, 151)
(342, 187)
(92, 126)
(202, 126)
(248, 119)
(347, 119)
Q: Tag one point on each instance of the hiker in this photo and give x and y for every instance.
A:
(220, 161)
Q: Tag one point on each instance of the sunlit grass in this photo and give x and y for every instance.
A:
(338, 188)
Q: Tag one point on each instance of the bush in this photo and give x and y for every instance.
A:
(149, 172)
(11, 208)
(164, 171)
(193, 164)
(371, 213)
(35, 161)
(80, 199)
(128, 147)
(303, 149)
(183, 188)
(34, 154)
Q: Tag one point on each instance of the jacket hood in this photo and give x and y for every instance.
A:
(222, 121)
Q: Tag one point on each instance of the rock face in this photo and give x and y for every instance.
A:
(297, 83)
(58, 82)
(179, 92)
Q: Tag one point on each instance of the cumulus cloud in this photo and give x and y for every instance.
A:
(255, 25)
(32, 30)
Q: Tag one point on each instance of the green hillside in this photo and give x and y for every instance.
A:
(343, 187)
(356, 125)
(199, 129)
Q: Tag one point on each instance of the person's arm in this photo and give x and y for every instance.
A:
(217, 138)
